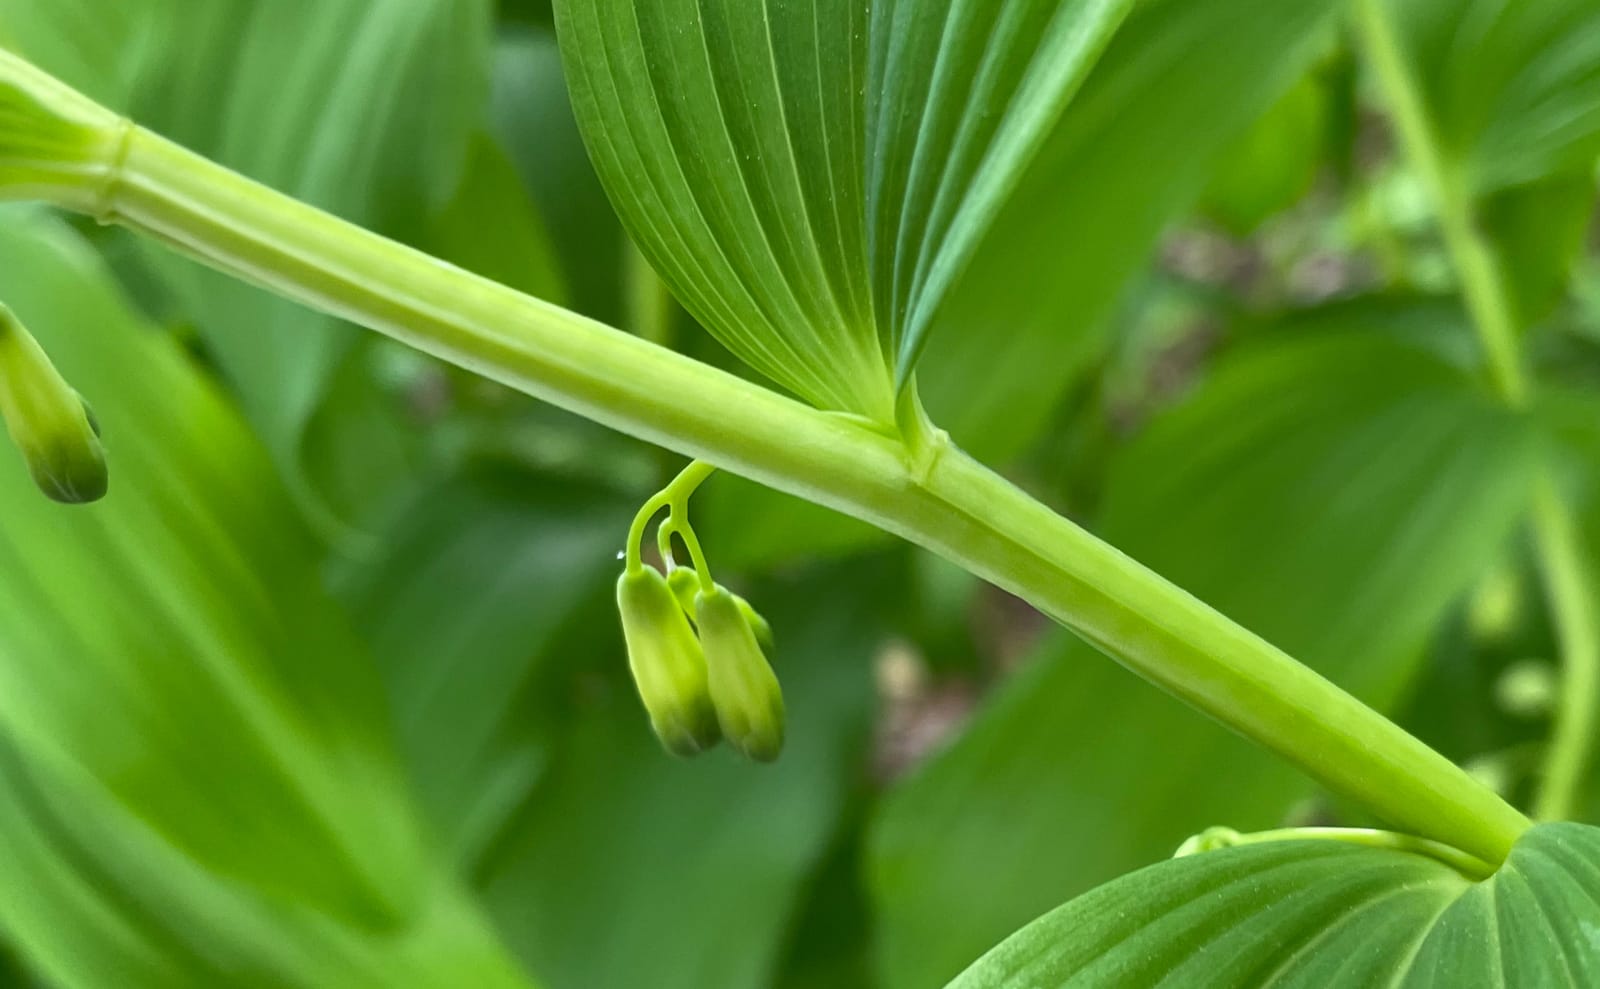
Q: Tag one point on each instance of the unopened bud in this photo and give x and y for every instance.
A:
(685, 583)
(759, 625)
(1209, 840)
(48, 421)
(668, 667)
(748, 700)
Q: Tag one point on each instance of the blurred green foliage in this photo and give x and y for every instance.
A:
(329, 690)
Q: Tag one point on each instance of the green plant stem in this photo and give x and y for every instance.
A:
(678, 494)
(1570, 588)
(1481, 282)
(919, 488)
(675, 498)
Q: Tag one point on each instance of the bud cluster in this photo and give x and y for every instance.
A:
(697, 659)
(698, 653)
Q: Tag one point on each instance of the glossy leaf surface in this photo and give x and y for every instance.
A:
(1322, 915)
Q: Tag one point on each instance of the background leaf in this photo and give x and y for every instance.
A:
(1513, 88)
(97, 897)
(468, 605)
(186, 608)
(1275, 162)
(1321, 914)
(198, 780)
(491, 227)
(532, 119)
(1512, 93)
(1021, 325)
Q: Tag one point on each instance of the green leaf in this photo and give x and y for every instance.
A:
(98, 46)
(1513, 89)
(1333, 491)
(1511, 96)
(1538, 231)
(688, 872)
(1180, 82)
(171, 641)
(958, 107)
(1322, 915)
(468, 604)
(492, 228)
(1276, 161)
(730, 137)
(535, 12)
(531, 117)
(374, 127)
(750, 528)
(107, 900)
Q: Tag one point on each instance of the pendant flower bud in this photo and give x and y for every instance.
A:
(49, 421)
(748, 700)
(685, 583)
(668, 666)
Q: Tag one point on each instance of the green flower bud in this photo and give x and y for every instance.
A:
(759, 625)
(668, 667)
(1209, 840)
(685, 583)
(748, 700)
(48, 421)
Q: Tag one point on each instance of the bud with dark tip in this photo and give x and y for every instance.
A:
(685, 583)
(748, 700)
(668, 667)
(49, 422)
